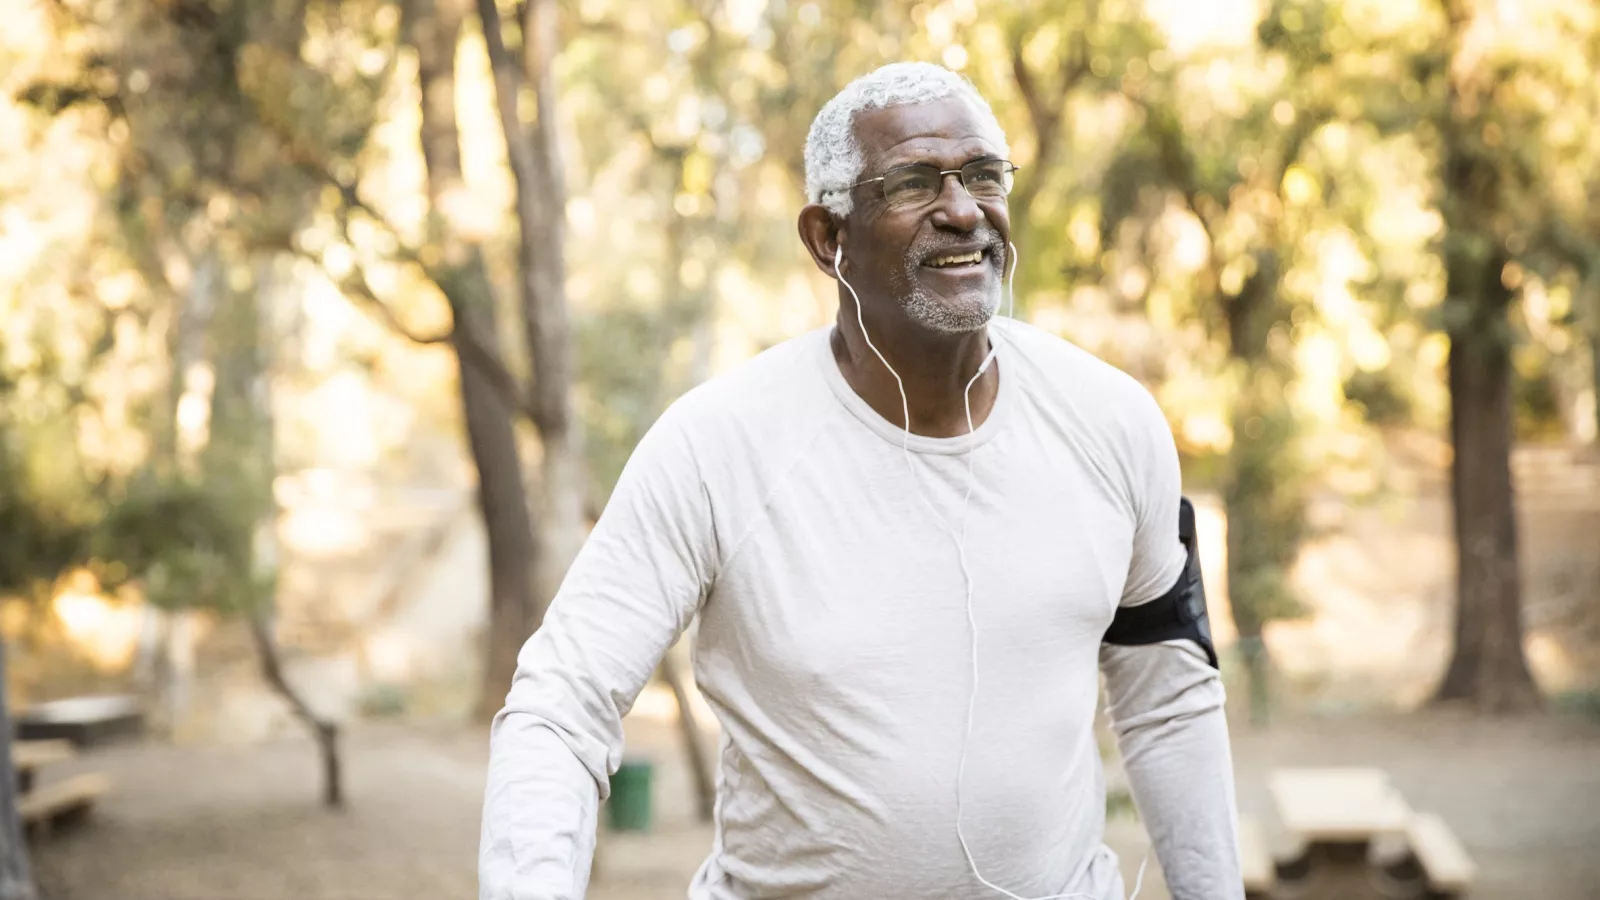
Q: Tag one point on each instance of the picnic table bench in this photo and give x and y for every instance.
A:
(50, 806)
(1340, 820)
(1444, 861)
(27, 757)
(43, 808)
(52, 732)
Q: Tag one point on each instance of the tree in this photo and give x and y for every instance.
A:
(534, 150)
(1063, 58)
(206, 190)
(207, 540)
(1229, 174)
(196, 545)
(1478, 193)
(454, 262)
(231, 116)
(16, 877)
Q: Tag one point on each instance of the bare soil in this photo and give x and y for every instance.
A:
(243, 823)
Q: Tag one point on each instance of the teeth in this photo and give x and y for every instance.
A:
(957, 259)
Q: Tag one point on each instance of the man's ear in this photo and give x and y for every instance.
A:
(821, 232)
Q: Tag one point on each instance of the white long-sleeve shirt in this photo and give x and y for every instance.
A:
(834, 646)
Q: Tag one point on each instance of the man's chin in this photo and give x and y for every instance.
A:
(960, 315)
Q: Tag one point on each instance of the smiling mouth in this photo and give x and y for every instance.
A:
(956, 261)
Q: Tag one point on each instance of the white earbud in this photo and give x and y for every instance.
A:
(1011, 281)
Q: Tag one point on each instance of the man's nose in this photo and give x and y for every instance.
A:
(955, 209)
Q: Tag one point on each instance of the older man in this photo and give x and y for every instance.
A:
(905, 537)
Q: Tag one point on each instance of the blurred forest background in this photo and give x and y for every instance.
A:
(328, 324)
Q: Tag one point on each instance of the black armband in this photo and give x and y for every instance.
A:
(1180, 613)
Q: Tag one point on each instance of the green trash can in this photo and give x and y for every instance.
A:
(629, 808)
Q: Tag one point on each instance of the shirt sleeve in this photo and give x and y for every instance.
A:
(1166, 702)
(1155, 487)
(630, 593)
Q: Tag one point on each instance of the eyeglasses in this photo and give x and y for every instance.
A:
(919, 184)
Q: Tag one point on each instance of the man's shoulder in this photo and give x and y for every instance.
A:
(778, 388)
(1107, 408)
(1070, 373)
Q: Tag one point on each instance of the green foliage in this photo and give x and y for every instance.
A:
(38, 539)
(1382, 400)
(1538, 407)
(1265, 500)
(189, 547)
(1580, 702)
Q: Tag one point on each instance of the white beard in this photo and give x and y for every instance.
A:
(972, 311)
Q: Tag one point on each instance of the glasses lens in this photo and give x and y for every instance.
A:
(911, 185)
(989, 178)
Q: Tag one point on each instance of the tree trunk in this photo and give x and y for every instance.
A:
(503, 500)
(1487, 666)
(1594, 353)
(1248, 624)
(326, 733)
(433, 30)
(1594, 377)
(535, 155)
(1252, 572)
(1262, 497)
(16, 880)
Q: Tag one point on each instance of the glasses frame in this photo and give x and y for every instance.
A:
(1012, 169)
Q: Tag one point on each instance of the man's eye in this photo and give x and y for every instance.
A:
(913, 181)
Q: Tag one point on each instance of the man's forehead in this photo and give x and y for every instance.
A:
(951, 127)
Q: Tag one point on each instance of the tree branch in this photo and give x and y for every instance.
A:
(1177, 163)
(508, 77)
(1028, 87)
(355, 286)
(471, 346)
(1045, 111)
(326, 732)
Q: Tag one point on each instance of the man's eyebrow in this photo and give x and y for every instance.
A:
(896, 159)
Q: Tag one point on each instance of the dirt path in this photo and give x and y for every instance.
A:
(241, 823)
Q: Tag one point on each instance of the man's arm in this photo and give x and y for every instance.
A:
(1165, 704)
(633, 589)
(1165, 700)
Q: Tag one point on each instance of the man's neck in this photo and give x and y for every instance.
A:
(934, 368)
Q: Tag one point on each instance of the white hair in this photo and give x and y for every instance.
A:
(833, 155)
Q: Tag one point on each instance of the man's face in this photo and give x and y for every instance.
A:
(921, 256)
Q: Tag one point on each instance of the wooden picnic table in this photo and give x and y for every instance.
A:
(1338, 806)
(1338, 817)
(81, 720)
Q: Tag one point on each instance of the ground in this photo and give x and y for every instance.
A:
(242, 822)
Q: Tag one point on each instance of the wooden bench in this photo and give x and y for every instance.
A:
(27, 757)
(1255, 859)
(1444, 861)
(49, 806)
